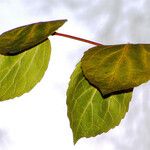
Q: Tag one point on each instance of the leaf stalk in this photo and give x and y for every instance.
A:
(77, 38)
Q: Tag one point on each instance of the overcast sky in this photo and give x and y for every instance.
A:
(38, 120)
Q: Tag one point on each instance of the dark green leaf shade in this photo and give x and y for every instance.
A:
(20, 73)
(89, 113)
(117, 67)
(23, 38)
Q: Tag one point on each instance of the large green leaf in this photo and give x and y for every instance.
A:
(117, 67)
(23, 38)
(20, 73)
(89, 113)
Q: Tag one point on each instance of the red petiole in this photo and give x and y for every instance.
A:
(77, 38)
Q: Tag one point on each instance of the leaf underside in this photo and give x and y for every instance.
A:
(117, 67)
(89, 113)
(24, 38)
(20, 73)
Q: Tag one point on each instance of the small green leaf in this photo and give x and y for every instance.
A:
(89, 113)
(117, 67)
(23, 38)
(20, 73)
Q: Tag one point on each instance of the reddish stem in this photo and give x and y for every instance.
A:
(77, 38)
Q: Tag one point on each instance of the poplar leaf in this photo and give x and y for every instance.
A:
(89, 113)
(20, 73)
(117, 67)
(23, 38)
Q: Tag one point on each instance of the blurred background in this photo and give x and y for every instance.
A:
(38, 120)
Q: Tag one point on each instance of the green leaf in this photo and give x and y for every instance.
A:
(89, 113)
(20, 73)
(23, 38)
(117, 67)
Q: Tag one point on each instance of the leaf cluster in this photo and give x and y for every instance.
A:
(24, 57)
(100, 87)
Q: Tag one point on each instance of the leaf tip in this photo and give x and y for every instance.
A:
(58, 24)
(61, 22)
(75, 140)
(65, 20)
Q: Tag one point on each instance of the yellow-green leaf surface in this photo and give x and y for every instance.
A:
(23, 38)
(20, 73)
(89, 113)
(117, 67)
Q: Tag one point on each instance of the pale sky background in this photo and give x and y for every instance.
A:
(38, 120)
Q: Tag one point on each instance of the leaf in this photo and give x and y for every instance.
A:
(117, 67)
(20, 73)
(23, 38)
(89, 113)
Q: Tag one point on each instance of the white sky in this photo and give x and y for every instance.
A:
(38, 120)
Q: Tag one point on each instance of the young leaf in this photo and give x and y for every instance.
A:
(20, 73)
(117, 67)
(89, 113)
(23, 38)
